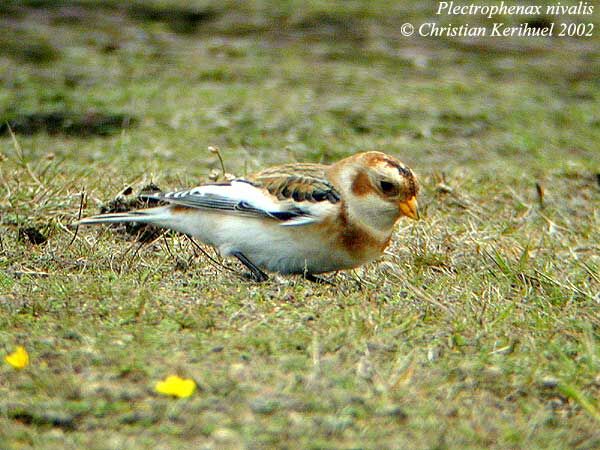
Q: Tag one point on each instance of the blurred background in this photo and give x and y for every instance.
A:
(146, 86)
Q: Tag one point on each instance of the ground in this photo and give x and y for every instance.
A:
(479, 328)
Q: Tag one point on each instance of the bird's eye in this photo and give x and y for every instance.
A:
(388, 188)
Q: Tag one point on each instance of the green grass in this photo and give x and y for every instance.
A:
(479, 327)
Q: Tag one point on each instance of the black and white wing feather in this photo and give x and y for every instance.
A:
(238, 197)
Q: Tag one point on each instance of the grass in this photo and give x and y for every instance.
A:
(478, 329)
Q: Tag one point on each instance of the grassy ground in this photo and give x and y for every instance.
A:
(478, 329)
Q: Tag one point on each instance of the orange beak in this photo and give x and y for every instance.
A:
(410, 208)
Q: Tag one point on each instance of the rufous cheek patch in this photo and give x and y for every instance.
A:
(361, 185)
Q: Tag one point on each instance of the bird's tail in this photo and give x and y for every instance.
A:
(152, 215)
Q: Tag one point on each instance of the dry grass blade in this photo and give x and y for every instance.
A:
(21, 157)
(78, 218)
(210, 258)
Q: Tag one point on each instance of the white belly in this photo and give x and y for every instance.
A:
(276, 248)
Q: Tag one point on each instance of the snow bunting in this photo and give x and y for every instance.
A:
(295, 218)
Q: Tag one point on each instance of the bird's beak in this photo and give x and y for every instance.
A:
(410, 208)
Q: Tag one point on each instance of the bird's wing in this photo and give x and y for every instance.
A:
(298, 182)
(239, 197)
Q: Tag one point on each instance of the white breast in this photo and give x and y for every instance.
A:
(269, 245)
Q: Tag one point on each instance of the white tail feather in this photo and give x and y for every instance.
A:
(152, 215)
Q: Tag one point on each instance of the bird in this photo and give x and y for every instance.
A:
(298, 218)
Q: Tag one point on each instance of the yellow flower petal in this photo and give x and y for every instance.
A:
(176, 386)
(19, 359)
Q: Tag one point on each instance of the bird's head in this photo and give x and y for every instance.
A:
(379, 189)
